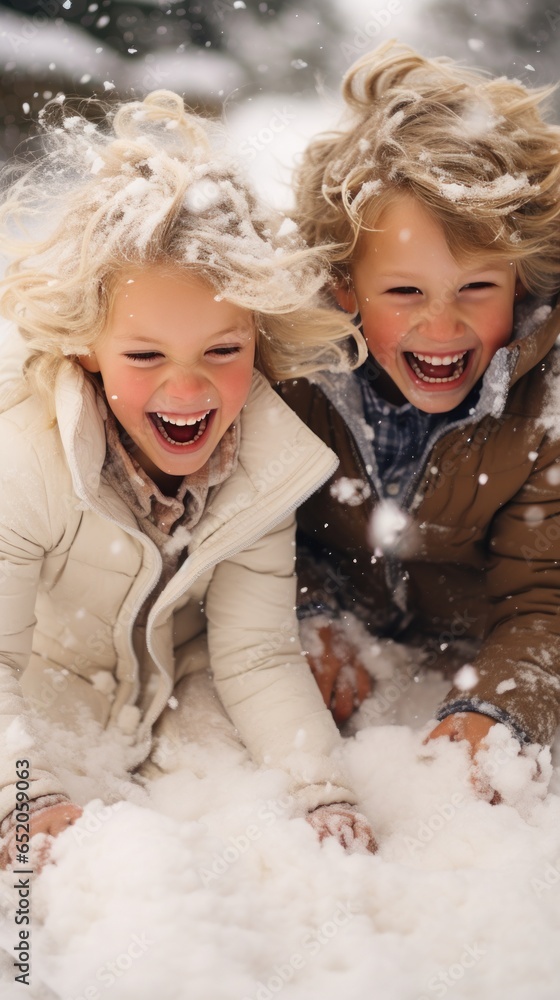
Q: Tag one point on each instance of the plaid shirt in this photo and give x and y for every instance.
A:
(401, 433)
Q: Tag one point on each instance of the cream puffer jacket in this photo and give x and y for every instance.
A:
(75, 570)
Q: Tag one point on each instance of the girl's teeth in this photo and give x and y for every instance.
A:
(180, 422)
(184, 444)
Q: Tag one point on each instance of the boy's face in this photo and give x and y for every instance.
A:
(176, 367)
(431, 323)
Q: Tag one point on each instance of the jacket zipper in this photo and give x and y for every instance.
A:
(238, 547)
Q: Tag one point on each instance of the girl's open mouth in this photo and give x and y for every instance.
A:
(438, 369)
(181, 431)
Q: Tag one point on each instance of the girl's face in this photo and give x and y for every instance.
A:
(433, 324)
(176, 366)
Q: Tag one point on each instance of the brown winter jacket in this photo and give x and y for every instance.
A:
(481, 553)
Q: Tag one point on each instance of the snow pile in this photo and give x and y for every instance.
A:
(202, 885)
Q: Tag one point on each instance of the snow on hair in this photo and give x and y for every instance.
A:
(153, 184)
(474, 150)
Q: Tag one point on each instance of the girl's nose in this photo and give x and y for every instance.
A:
(187, 384)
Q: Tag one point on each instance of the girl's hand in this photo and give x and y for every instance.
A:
(50, 821)
(341, 678)
(342, 821)
(55, 819)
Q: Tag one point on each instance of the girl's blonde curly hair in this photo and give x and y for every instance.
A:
(474, 150)
(153, 184)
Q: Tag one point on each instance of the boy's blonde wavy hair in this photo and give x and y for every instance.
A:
(473, 150)
(153, 185)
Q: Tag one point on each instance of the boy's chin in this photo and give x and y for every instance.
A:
(437, 402)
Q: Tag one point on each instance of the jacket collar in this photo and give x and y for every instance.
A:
(536, 330)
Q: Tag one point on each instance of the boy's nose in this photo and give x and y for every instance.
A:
(440, 323)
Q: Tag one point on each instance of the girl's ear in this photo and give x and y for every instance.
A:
(520, 291)
(89, 362)
(345, 296)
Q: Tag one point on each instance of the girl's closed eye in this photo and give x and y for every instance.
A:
(225, 353)
(143, 355)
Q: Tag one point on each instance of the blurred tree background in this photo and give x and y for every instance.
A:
(235, 50)
(206, 51)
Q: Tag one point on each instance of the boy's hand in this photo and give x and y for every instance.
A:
(342, 821)
(342, 679)
(50, 821)
(472, 727)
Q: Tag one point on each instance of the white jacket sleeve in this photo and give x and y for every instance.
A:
(261, 674)
(25, 533)
(13, 353)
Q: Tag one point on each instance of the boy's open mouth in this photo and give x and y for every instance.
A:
(437, 368)
(181, 431)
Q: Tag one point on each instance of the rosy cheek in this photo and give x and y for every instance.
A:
(236, 383)
(131, 390)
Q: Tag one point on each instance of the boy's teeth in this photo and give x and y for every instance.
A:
(180, 422)
(458, 359)
(438, 359)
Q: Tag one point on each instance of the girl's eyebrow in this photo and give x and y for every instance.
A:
(139, 337)
(400, 276)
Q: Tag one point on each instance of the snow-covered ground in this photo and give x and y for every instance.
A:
(200, 886)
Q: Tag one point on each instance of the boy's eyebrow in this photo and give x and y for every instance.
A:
(408, 276)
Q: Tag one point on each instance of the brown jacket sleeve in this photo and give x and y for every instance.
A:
(519, 663)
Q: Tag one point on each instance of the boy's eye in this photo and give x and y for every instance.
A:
(404, 290)
(143, 356)
(478, 284)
